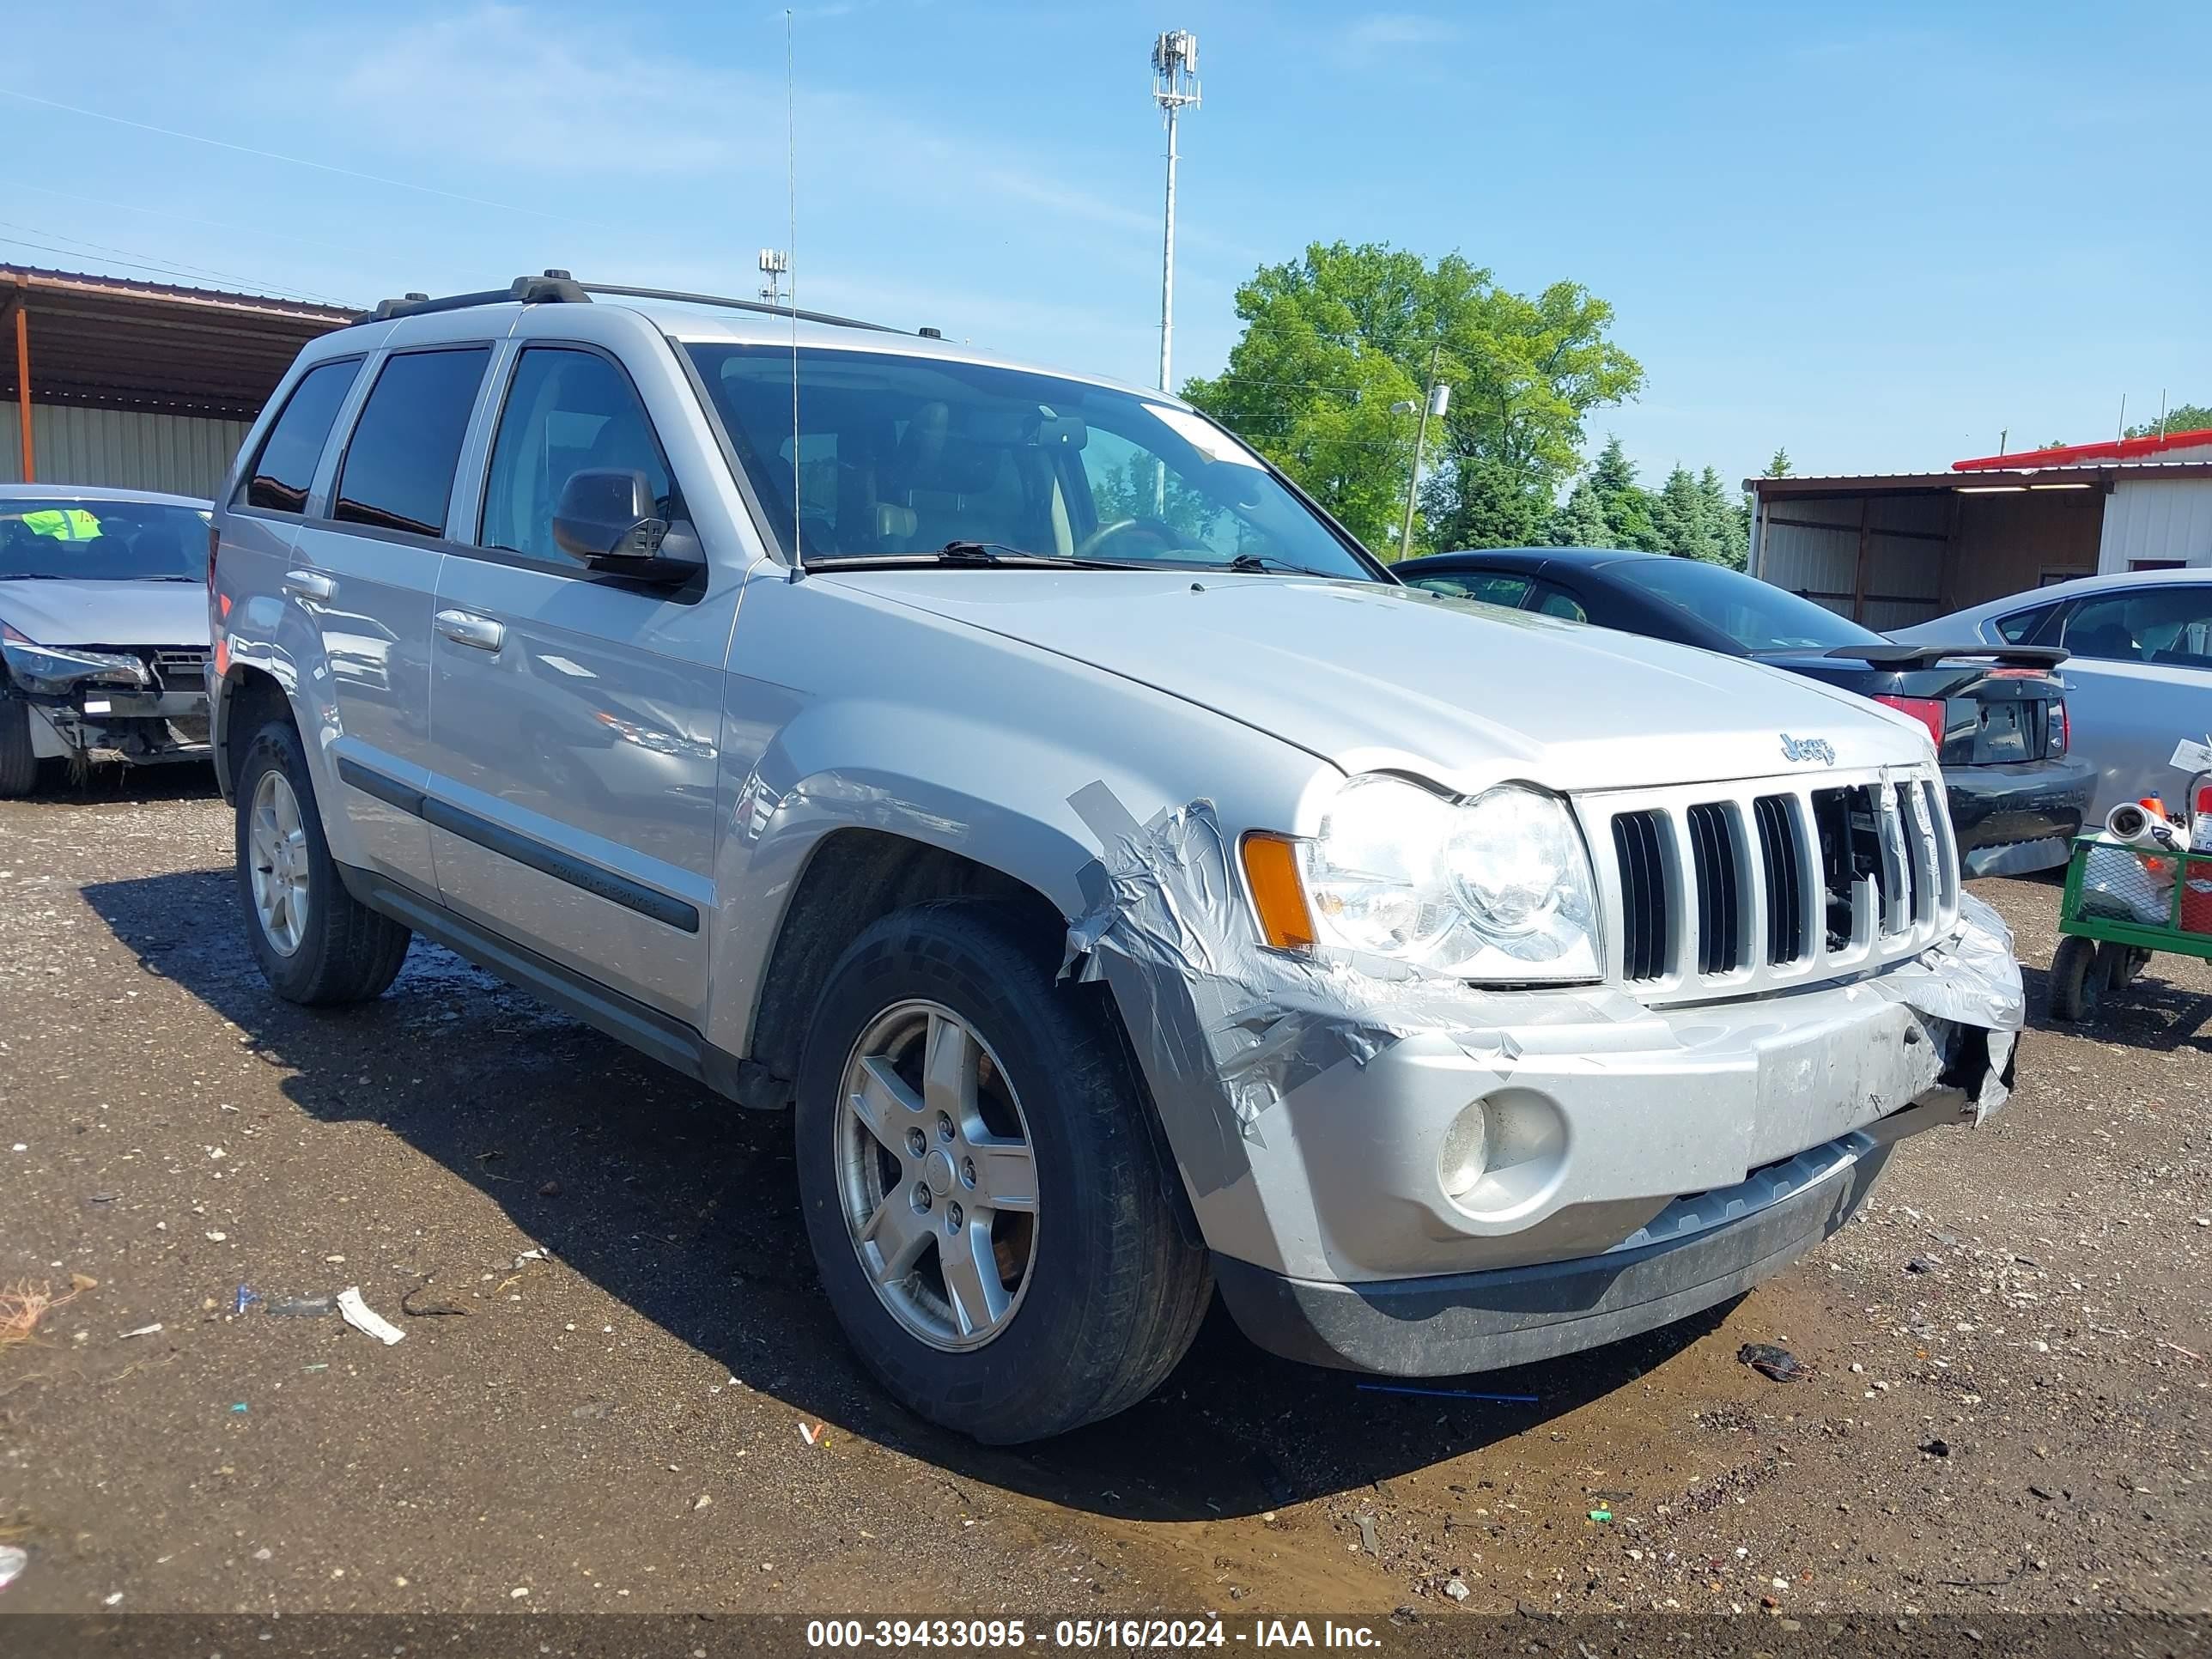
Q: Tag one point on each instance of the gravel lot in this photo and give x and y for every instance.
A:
(2009, 1409)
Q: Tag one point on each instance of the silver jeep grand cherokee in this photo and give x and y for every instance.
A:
(1131, 888)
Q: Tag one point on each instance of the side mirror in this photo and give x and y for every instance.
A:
(607, 517)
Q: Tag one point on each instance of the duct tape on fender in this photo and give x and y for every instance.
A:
(1970, 978)
(1228, 1027)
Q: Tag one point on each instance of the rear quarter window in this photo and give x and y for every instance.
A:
(280, 476)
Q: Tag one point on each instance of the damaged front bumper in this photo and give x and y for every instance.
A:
(140, 725)
(1404, 1175)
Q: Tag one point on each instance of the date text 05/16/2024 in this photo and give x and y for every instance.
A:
(1111, 1634)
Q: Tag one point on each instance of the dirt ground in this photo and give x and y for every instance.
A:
(637, 1402)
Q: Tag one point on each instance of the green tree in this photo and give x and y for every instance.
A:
(1779, 466)
(1680, 520)
(1331, 339)
(1581, 521)
(2182, 417)
(1728, 520)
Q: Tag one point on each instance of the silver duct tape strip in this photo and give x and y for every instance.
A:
(1970, 978)
(1229, 1027)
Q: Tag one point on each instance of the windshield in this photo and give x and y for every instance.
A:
(1756, 615)
(101, 541)
(905, 456)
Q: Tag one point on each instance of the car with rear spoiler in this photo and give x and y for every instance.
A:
(1996, 713)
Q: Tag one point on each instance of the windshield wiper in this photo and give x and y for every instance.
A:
(969, 553)
(1257, 562)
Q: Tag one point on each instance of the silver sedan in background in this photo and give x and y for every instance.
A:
(2139, 679)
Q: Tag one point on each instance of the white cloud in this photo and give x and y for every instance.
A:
(1400, 29)
(493, 86)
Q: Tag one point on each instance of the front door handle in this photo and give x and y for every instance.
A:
(462, 629)
(310, 584)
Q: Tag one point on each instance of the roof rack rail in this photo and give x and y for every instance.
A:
(615, 291)
(554, 287)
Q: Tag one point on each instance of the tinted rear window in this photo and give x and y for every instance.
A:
(286, 467)
(1756, 615)
(398, 469)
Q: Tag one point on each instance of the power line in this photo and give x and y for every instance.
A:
(192, 277)
(183, 267)
(299, 160)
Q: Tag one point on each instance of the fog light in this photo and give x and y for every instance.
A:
(1466, 1153)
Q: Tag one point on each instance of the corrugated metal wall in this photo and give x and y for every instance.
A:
(1812, 547)
(2157, 519)
(130, 449)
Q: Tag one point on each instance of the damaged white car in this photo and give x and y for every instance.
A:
(1131, 887)
(103, 629)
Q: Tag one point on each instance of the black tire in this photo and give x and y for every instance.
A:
(347, 953)
(19, 766)
(2077, 978)
(2123, 964)
(1115, 1291)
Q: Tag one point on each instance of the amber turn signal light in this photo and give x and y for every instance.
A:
(1271, 867)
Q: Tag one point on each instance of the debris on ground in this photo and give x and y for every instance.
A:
(153, 1329)
(247, 1298)
(814, 1434)
(22, 1306)
(364, 1319)
(1456, 1587)
(1600, 1515)
(301, 1307)
(529, 1256)
(1936, 1448)
(238, 1408)
(1780, 1364)
(12, 1563)
(1367, 1533)
(416, 1305)
(1920, 1264)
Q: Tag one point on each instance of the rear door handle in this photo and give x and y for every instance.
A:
(462, 629)
(309, 585)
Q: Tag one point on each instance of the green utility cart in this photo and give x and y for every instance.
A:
(2122, 903)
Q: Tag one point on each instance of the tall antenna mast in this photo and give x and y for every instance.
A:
(1175, 84)
(775, 264)
(791, 246)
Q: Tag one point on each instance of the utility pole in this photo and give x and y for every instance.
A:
(1438, 399)
(1175, 85)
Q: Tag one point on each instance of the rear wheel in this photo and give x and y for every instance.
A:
(19, 767)
(2077, 978)
(315, 942)
(2122, 964)
(991, 1223)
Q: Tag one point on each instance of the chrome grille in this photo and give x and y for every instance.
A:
(1717, 890)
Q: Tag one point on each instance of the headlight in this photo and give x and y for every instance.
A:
(1498, 888)
(51, 668)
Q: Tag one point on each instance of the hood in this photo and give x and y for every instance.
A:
(1372, 677)
(107, 612)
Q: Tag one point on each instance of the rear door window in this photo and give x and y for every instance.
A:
(2167, 627)
(286, 466)
(1554, 600)
(1491, 586)
(398, 468)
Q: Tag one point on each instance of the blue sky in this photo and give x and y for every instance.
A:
(1877, 234)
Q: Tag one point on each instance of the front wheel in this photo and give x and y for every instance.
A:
(19, 762)
(316, 943)
(992, 1226)
(2077, 978)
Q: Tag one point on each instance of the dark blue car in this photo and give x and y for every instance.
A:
(1998, 714)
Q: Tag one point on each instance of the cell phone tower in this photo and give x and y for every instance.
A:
(1175, 87)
